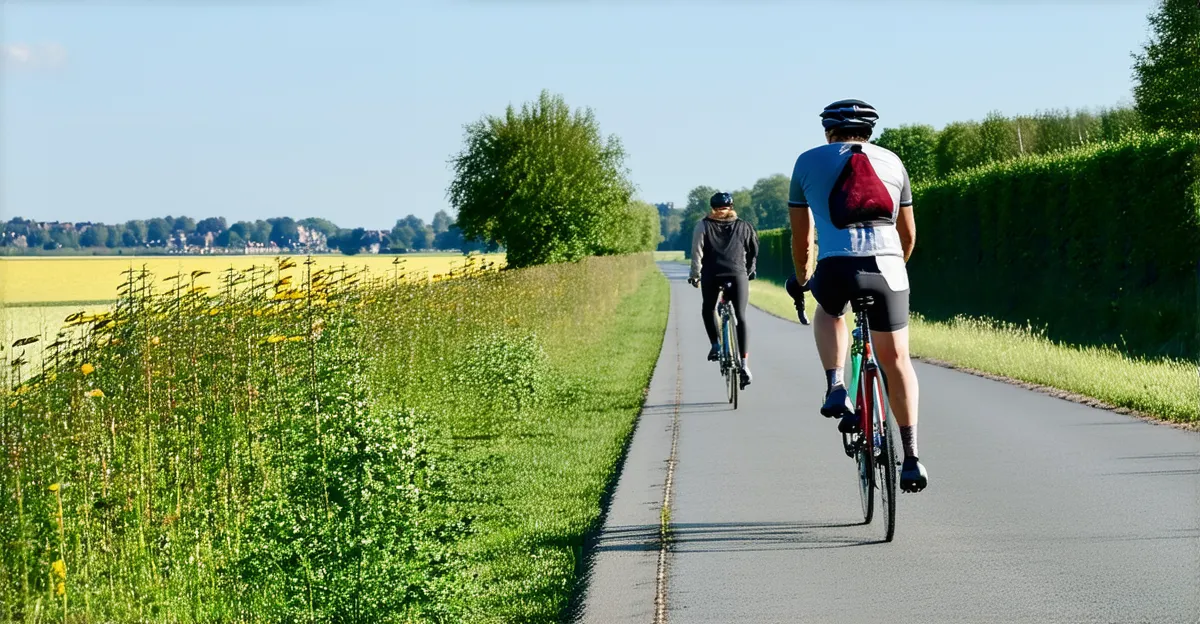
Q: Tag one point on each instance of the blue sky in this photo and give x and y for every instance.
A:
(350, 110)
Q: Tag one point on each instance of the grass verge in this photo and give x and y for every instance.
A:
(541, 493)
(1163, 388)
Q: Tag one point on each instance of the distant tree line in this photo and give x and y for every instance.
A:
(214, 234)
(929, 153)
(763, 205)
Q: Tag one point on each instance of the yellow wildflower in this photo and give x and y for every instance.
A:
(53, 487)
(61, 588)
(60, 569)
(95, 393)
(154, 340)
(87, 369)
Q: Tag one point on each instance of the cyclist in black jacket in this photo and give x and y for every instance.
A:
(724, 250)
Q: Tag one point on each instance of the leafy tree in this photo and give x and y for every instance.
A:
(1118, 122)
(696, 209)
(670, 220)
(770, 197)
(158, 232)
(998, 136)
(1168, 70)
(186, 225)
(324, 226)
(441, 222)
(211, 225)
(243, 229)
(283, 231)
(743, 204)
(959, 147)
(137, 233)
(452, 238)
(422, 238)
(915, 145)
(230, 239)
(261, 232)
(352, 242)
(115, 233)
(64, 238)
(541, 181)
(36, 237)
(95, 236)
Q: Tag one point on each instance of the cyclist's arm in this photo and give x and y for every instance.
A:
(801, 219)
(905, 226)
(752, 252)
(697, 250)
(803, 234)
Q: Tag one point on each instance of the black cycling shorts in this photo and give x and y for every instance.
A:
(839, 279)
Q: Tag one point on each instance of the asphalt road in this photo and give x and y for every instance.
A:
(1038, 509)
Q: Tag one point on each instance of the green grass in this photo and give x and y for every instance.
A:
(541, 492)
(670, 256)
(1163, 388)
(324, 447)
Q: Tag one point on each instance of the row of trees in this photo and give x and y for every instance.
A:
(1166, 95)
(928, 153)
(312, 234)
(545, 183)
(763, 205)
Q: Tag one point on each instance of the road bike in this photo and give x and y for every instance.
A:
(730, 355)
(873, 445)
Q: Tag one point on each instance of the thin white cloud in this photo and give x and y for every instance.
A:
(28, 56)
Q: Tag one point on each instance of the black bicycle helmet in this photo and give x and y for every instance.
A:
(721, 200)
(849, 114)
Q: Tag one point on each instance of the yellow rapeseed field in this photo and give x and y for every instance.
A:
(42, 280)
(37, 293)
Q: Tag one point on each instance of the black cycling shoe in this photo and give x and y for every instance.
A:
(837, 402)
(714, 354)
(913, 477)
(850, 423)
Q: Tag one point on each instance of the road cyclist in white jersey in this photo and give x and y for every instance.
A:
(856, 199)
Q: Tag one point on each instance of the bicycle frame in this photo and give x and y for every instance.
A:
(862, 366)
(875, 444)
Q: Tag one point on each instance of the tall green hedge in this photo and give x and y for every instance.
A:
(1099, 244)
(775, 255)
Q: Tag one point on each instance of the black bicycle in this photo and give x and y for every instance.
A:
(873, 445)
(732, 366)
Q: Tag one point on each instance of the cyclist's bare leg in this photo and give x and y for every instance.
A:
(833, 344)
(891, 350)
(833, 338)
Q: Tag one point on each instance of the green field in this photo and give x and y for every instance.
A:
(1164, 388)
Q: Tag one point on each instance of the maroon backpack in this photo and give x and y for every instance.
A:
(859, 197)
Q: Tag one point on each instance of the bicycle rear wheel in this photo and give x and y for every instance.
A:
(865, 457)
(886, 478)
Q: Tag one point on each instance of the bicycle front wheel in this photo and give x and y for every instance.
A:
(735, 362)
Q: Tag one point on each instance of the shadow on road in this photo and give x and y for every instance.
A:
(736, 537)
(683, 407)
